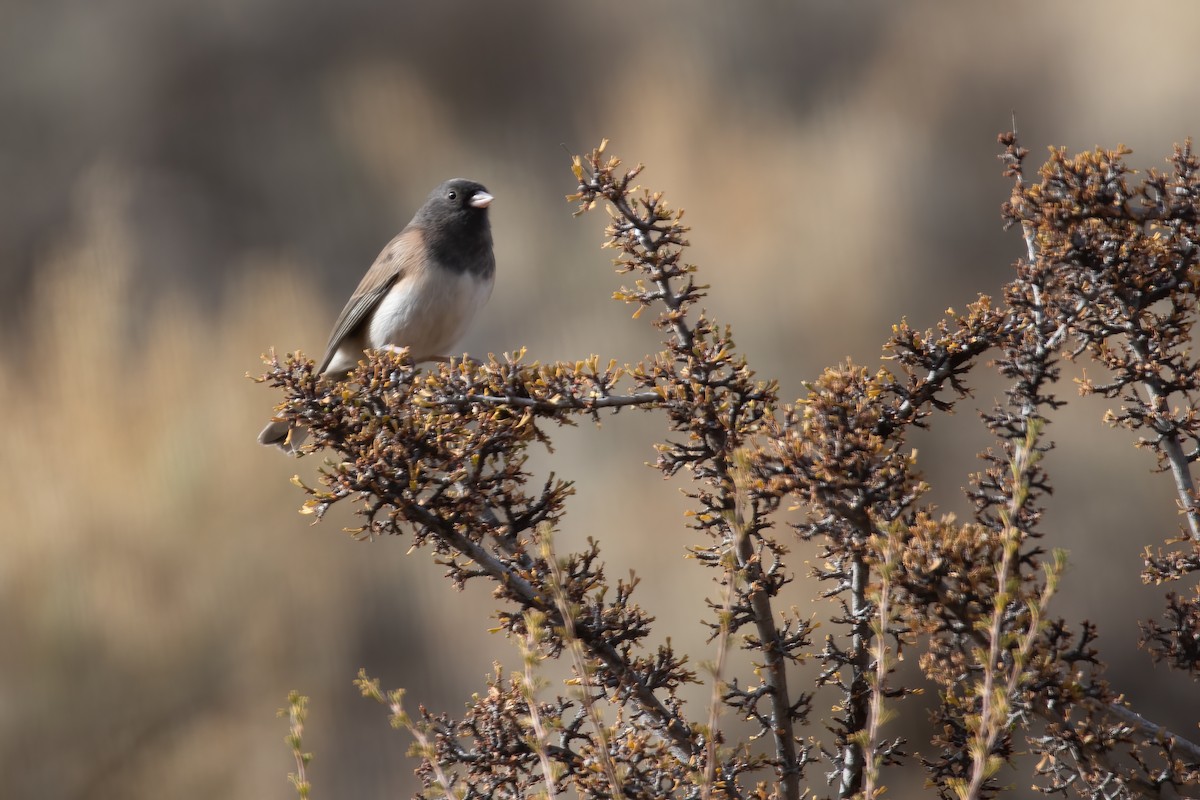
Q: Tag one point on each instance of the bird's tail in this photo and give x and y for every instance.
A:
(278, 433)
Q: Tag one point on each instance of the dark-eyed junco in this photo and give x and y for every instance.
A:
(420, 293)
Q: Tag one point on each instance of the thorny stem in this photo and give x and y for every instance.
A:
(1156, 732)
(1185, 488)
(651, 239)
(1171, 447)
(427, 748)
(858, 691)
(674, 730)
(1184, 485)
(933, 383)
(1186, 748)
(776, 676)
(562, 404)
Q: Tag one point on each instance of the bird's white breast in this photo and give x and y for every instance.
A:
(428, 311)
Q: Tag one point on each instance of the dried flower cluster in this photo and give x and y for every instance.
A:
(1109, 275)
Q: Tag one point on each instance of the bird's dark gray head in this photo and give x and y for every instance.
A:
(455, 222)
(457, 201)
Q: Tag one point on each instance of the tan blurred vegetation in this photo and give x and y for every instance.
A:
(188, 185)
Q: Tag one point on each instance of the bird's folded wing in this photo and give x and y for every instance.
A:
(402, 255)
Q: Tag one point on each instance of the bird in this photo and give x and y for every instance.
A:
(421, 292)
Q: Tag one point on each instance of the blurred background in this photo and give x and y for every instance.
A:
(186, 185)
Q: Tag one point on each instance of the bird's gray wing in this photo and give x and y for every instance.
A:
(399, 257)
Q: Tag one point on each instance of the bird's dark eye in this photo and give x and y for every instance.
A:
(453, 195)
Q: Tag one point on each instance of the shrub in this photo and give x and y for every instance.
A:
(1108, 278)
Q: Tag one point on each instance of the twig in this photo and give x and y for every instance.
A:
(582, 669)
(674, 729)
(399, 718)
(297, 713)
(534, 627)
(877, 715)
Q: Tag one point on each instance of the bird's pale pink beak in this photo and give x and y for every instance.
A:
(481, 199)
